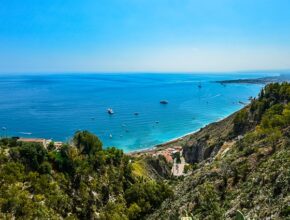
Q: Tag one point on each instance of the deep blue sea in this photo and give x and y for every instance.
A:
(56, 105)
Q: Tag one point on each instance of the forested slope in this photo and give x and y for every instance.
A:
(250, 173)
(80, 181)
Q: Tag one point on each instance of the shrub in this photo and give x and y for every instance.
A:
(45, 168)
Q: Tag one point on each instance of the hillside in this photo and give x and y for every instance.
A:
(249, 172)
(80, 181)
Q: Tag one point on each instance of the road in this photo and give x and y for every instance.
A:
(178, 168)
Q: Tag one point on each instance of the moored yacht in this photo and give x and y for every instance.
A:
(110, 111)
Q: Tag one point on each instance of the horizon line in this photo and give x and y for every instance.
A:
(278, 71)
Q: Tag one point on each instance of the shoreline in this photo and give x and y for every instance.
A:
(164, 144)
(167, 144)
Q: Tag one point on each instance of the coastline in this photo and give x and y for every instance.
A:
(163, 145)
(169, 143)
(262, 80)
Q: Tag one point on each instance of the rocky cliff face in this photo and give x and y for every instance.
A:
(206, 143)
(158, 167)
(149, 167)
(198, 151)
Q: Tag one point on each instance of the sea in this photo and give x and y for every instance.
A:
(55, 106)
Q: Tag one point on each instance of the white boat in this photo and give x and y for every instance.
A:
(110, 111)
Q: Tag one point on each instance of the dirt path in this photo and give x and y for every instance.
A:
(178, 168)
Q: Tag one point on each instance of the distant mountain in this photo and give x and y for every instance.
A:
(262, 80)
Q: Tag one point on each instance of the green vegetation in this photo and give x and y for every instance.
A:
(80, 181)
(151, 168)
(241, 121)
(139, 169)
(269, 107)
(176, 156)
(145, 196)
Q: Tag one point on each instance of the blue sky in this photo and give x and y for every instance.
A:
(144, 35)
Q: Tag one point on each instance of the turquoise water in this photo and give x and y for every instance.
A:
(55, 106)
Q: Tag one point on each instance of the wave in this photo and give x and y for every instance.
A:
(25, 133)
(212, 97)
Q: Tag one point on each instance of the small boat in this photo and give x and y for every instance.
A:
(164, 102)
(111, 136)
(110, 111)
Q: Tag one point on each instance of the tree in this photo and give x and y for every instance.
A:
(114, 156)
(273, 136)
(134, 211)
(45, 168)
(51, 146)
(240, 121)
(87, 142)
(147, 195)
(32, 154)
